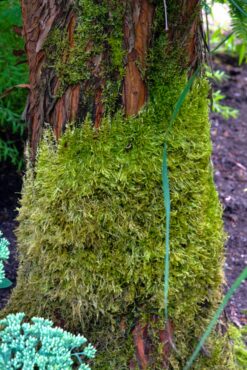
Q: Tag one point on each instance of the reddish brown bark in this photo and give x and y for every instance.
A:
(145, 344)
(99, 108)
(186, 32)
(166, 338)
(71, 30)
(191, 12)
(38, 19)
(44, 106)
(65, 110)
(140, 335)
(137, 34)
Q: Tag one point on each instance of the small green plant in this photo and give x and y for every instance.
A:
(40, 345)
(224, 110)
(4, 255)
(217, 75)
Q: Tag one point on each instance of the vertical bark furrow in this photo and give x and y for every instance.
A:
(99, 108)
(140, 334)
(185, 31)
(137, 33)
(192, 14)
(39, 18)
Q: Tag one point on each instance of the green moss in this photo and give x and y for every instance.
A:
(239, 338)
(92, 233)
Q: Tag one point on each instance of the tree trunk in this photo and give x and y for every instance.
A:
(45, 104)
(96, 61)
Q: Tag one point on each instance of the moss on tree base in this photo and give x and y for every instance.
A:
(92, 231)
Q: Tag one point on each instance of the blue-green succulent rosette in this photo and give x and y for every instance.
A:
(4, 255)
(40, 345)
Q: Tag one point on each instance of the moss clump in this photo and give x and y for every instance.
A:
(91, 234)
(239, 338)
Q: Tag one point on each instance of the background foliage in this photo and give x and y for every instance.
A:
(236, 44)
(13, 72)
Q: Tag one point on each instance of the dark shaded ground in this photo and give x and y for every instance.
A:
(230, 162)
(10, 186)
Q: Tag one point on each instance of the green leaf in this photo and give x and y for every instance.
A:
(237, 6)
(242, 53)
(183, 95)
(167, 203)
(234, 287)
(6, 283)
(222, 42)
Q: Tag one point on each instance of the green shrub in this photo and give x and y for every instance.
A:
(12, 128)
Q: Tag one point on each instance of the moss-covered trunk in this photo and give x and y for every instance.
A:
(92, 56)
(91, 234)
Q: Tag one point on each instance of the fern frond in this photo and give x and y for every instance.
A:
(239, 18)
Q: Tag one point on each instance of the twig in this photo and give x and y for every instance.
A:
(166, 18)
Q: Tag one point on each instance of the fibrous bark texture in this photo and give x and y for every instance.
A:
(39, 17)
(45, 105)
(56, 103)
(137, 34)
(185, 32)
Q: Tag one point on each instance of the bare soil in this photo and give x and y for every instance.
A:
(230, 163)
